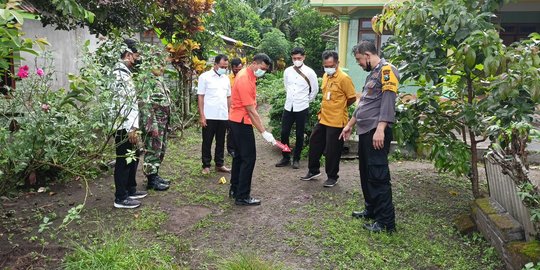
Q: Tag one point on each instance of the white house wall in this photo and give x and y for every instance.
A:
(65, 48)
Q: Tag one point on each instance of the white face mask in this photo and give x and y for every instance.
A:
(298, 63)
(330, 71)
(259, 73)
(221, 71)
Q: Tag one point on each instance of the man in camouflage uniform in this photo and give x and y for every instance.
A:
(155, 115)
(373, 118)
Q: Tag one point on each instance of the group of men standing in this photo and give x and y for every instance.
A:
(228, 109)
(372, 118)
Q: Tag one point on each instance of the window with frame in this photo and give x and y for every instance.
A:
(513, 32)
(365, 32)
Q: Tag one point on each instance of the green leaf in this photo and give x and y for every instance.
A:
(17, 16)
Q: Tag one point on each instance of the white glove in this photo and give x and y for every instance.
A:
(269, 137)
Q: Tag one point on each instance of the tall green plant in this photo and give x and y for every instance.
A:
(512, 103)
(452, 51)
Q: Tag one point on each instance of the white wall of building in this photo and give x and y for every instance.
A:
(65, 49)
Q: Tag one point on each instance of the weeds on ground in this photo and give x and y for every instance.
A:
(425, 238)
(120, 253)
(245, 262)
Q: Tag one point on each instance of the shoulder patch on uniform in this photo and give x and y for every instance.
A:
(388, 79)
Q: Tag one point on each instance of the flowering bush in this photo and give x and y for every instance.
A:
(42, 134)
(50, 133)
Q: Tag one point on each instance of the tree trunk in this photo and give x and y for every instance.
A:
(474, 149)
(474, 166)
(185, 95)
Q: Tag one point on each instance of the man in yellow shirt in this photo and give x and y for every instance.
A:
(338, 94)
(236, 66)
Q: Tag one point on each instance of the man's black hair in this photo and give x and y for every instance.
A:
(132, 46)
(365, 46)
(298, 50)
(262, 57)
(328, 54)
(220, 57)
(236, 62)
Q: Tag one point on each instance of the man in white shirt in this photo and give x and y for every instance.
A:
(214, 93)
(302, 87)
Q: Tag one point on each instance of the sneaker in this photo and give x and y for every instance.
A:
(296, 164)
(284, 162)
(138, 195)
(330, 182)
(205, 171)
(310, 176)
(127, 204)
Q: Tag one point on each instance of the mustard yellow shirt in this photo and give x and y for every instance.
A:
(231, 77)
(337, 90)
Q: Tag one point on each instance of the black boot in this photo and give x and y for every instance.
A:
(155, 184)
(163, 181)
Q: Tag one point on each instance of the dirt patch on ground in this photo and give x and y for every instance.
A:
(181, 219)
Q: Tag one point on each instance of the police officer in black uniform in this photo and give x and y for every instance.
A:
(373, 118)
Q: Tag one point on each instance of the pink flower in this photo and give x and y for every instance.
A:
(45, 107)
(23, 72)
(40, 72)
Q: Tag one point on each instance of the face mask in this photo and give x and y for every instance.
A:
(298, 63)
(259, 73)
(368, 67)
(330, 71)
(221, 71)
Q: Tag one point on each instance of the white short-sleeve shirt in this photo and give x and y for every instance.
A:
(215, 88)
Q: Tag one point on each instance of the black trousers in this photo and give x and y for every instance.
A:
(214, 128)
(244, 159)
(325, 139)
(124, 173)
(230, 143)
(287, 121)
(375, 177)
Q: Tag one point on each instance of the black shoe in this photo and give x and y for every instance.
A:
(296, 164)
(377, 228)
(249, 202)
(153, 183)
(163, 181)
(283, 162)
(310, 176)
(126, 204)
(362, 214)
(231, 194)
(330, 182)
(137, 195)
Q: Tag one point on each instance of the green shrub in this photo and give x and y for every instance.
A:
(275, 45)
(269, 86)
(48, 133)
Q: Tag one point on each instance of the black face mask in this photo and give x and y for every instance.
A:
(368, 66)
